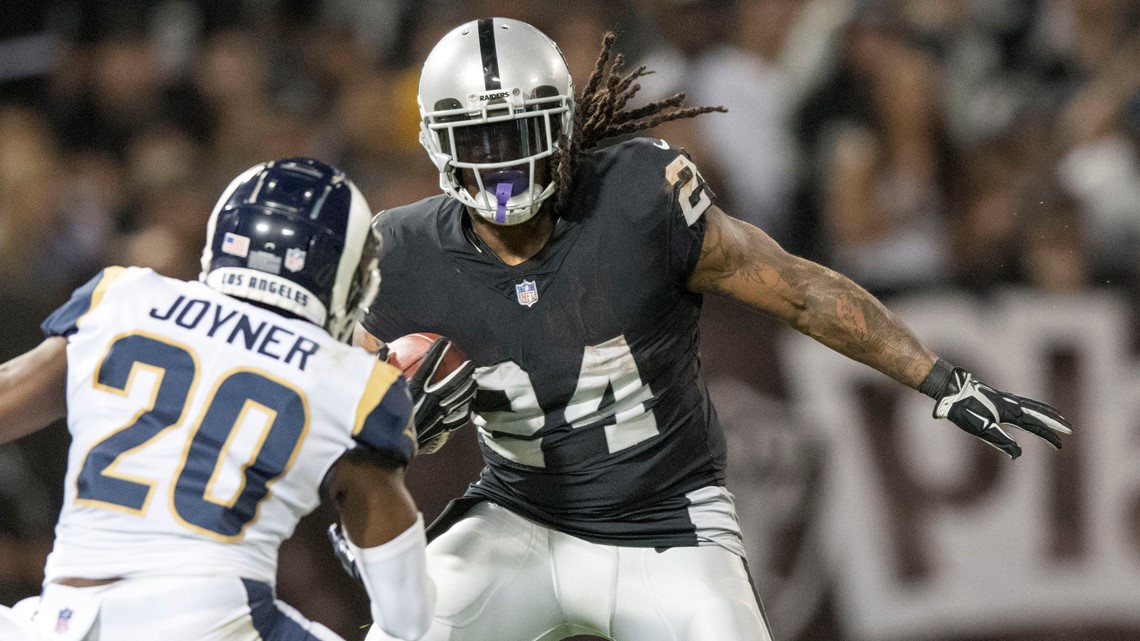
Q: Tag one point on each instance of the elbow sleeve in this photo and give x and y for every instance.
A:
(402, 594)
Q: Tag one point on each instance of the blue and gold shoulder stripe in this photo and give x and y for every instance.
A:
(65, 320)
(383, 417)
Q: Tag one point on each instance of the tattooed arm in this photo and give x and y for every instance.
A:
(741, 262)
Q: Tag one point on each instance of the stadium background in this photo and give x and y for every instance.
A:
(973, 162)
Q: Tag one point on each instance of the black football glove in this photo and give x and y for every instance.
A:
(443, 407)
(982, 410)
(342, 551)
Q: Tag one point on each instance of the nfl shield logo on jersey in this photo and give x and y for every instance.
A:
(63, 621)
(294, 259)
(526, 292)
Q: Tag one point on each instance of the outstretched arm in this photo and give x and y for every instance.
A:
(745, 264)
(742, 262)
(386, 541)
(33, 389)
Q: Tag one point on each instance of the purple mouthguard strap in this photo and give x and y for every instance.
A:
(503, 192)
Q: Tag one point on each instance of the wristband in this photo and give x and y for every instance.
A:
(934, 385)
(402, 595)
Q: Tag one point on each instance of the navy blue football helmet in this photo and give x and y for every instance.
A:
(296, 235)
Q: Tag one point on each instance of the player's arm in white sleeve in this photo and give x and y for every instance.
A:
(386, 537)
(33, 389)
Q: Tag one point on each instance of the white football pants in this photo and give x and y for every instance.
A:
(160, 609)
(501, 577)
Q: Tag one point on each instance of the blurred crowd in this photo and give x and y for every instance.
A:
(908, 143)
(911, 144)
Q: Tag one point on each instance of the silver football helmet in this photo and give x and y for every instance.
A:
(495, 95)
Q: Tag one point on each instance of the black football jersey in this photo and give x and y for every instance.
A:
(591, 411)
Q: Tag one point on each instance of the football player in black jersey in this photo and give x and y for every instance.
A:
(572, 274)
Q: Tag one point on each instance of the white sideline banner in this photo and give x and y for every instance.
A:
(931, 534)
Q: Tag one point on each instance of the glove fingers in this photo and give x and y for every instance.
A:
(461, 405)
(981, 410)
(1047, 415)
(455, 378)
(1034, 426)
(1041, 411)
(997, 437)
(1044, 433)
(1037, 418)
(456, 419)
(429, 427)
(431, 360)
(462, 393)
(445, 405)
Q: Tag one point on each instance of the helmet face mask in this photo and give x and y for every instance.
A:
(495, 97)
(295, 235)
(363, 288)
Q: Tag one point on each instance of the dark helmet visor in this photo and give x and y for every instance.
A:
(494, 142)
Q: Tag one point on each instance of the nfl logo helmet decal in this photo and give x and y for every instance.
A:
(295, 259)
(526, 292)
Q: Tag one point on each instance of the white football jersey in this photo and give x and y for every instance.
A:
(202, 427)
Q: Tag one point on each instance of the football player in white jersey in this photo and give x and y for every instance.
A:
(207, 418)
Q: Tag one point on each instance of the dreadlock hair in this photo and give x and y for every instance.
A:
(601, 114)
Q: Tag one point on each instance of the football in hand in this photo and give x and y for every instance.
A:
(407, 352)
